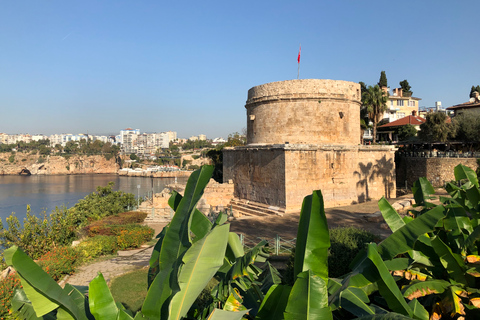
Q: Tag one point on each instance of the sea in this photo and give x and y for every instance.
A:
(43, 193)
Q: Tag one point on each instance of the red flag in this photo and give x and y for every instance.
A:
(299, 51)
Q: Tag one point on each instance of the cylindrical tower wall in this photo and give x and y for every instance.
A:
(310, 111)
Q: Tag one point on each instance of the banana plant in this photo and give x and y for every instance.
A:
(185, 259)
(429, 267)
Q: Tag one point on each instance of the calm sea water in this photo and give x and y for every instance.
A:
(44, 193)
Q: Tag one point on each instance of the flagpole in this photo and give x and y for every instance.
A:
(298, 59)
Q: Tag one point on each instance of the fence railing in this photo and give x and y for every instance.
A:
(439, 154)
(280, 245)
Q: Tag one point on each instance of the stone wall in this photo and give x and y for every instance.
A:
(159, 174)
(216, 197)
(437, 170)
(258, 173)
(282, 175)
(309, 111)
(51, 165)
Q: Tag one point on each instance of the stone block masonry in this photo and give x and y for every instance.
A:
(282, 175)
(438, 171)
(304, 112)
(304, 135)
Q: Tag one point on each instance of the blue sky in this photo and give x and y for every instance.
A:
(186, 66)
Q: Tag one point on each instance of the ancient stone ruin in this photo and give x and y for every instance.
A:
(304, 135)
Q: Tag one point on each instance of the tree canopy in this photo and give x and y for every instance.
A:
(405, 87)
(374, 100)
(473, 90)
(436, 128)
(406, 132)
(383, 80)
(468, 127)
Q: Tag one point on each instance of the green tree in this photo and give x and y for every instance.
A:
(374, 100)
(235, 139)
(383, 80)
(473, 90)
(134, 157)
(44, 150)
(71, 147)
(468, 127)
(406, 132)
(406, 88)
(58, 147)
(436, 128)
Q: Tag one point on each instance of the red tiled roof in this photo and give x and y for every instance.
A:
(465, 105)
(413, 120)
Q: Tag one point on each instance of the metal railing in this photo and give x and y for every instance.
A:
(439, 154)
(280, 246)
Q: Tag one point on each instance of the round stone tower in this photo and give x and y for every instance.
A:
(310, 111)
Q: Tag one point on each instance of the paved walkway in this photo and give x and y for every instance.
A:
(364, 215)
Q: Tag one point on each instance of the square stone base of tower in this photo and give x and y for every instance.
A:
(282, 175)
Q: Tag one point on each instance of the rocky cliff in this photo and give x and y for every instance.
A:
(50, 165)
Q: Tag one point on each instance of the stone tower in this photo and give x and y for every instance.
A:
(304, 135)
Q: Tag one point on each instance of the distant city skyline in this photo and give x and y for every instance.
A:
(89, 66)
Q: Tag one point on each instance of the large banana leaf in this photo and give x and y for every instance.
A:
(175, 241)
(404, 238)
(269, 277)
(418, 311)
(159, 294)
(452, 262)
(101, 302)
(464, 172)
(154, 266)
(200, 225)
(201, 262)
(386, 284)
(235, 247)
(424, 288)
(422, 191)
(355, 300)
(313, 239)
(308, 298)
(219, 314)
(386, 316)
(44, 293)
(177, 237)
(24, 308)
(390, 215)
(274, 303)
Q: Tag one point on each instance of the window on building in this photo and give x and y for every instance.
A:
(400, 103)
(411, 103)
(400, 115)
(391, 103)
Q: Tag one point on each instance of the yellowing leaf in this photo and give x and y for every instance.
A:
(473, 259)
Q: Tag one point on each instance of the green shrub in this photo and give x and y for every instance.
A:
(105, 202)
(7, 290)
(109, 227)
(59, 262)
(11, 159)
(134, 238)
(345, 244)
(23, 160)
(97, 246)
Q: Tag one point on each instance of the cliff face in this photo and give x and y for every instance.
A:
(50, 165)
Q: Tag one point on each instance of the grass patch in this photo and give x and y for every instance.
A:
(130, 289)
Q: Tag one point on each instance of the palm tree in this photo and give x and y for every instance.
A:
(374, 100)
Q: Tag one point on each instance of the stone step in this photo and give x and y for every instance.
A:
(251, 208)
(243, 211)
